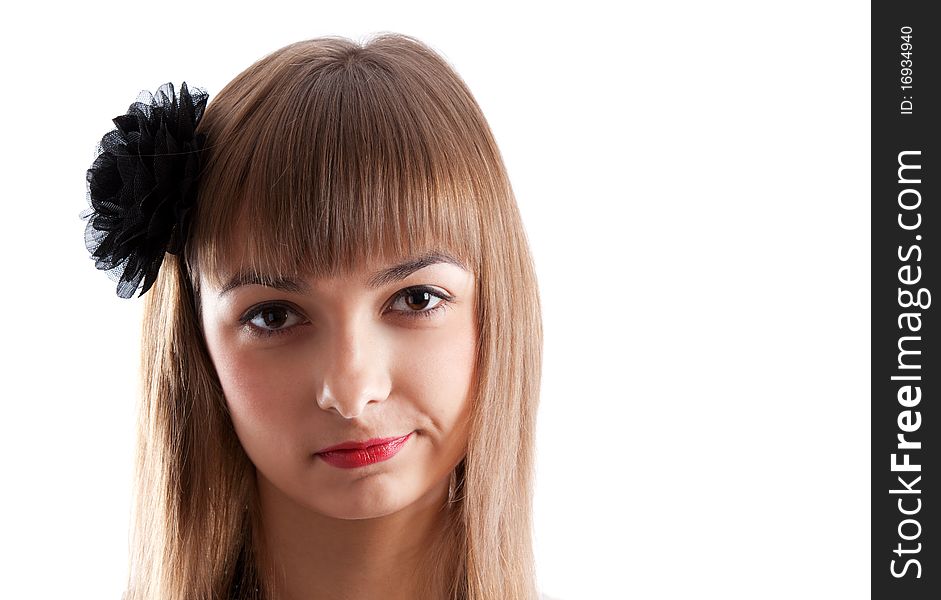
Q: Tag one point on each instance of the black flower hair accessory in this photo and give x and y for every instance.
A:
(142, 186)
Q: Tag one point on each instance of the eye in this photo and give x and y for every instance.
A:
(415, 301)
(420, 302)
(270, 319)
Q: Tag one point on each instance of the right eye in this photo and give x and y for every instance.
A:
(271, 319)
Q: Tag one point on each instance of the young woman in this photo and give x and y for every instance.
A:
(342, 335)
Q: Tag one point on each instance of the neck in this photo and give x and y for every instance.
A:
(315, 556)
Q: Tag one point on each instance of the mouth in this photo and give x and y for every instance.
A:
(350, 455)
(354, 445)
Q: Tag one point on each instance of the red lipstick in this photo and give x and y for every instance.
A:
(350, 455)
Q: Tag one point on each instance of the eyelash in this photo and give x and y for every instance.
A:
(411, 314)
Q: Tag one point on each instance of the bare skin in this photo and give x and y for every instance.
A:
(354, 362)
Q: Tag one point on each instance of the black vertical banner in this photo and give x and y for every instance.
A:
(906, 381)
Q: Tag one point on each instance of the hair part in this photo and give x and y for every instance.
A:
(326, 154)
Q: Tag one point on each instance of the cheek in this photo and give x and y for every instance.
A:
(437, 376)
(264, 398)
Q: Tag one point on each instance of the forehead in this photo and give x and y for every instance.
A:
(322, 234)
(373, 274)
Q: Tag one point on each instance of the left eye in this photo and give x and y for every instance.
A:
(416, 300)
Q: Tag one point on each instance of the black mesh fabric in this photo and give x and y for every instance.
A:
(142, 186)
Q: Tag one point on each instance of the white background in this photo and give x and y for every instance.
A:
(694, 179)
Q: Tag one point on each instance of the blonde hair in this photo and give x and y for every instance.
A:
(322, 155)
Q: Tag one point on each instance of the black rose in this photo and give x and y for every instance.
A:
(142, 186)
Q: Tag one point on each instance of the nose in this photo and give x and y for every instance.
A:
(354, 373)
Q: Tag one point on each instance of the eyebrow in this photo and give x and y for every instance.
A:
(376, 280)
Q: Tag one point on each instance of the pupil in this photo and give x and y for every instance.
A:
(273, 316)
(423, 302)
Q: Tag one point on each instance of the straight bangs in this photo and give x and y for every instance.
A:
(327, 155)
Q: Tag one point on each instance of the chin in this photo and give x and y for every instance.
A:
(363, 500)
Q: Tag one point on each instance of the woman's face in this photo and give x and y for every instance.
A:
(385, 352)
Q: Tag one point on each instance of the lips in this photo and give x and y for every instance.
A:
(361, 445)
(352, 454)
